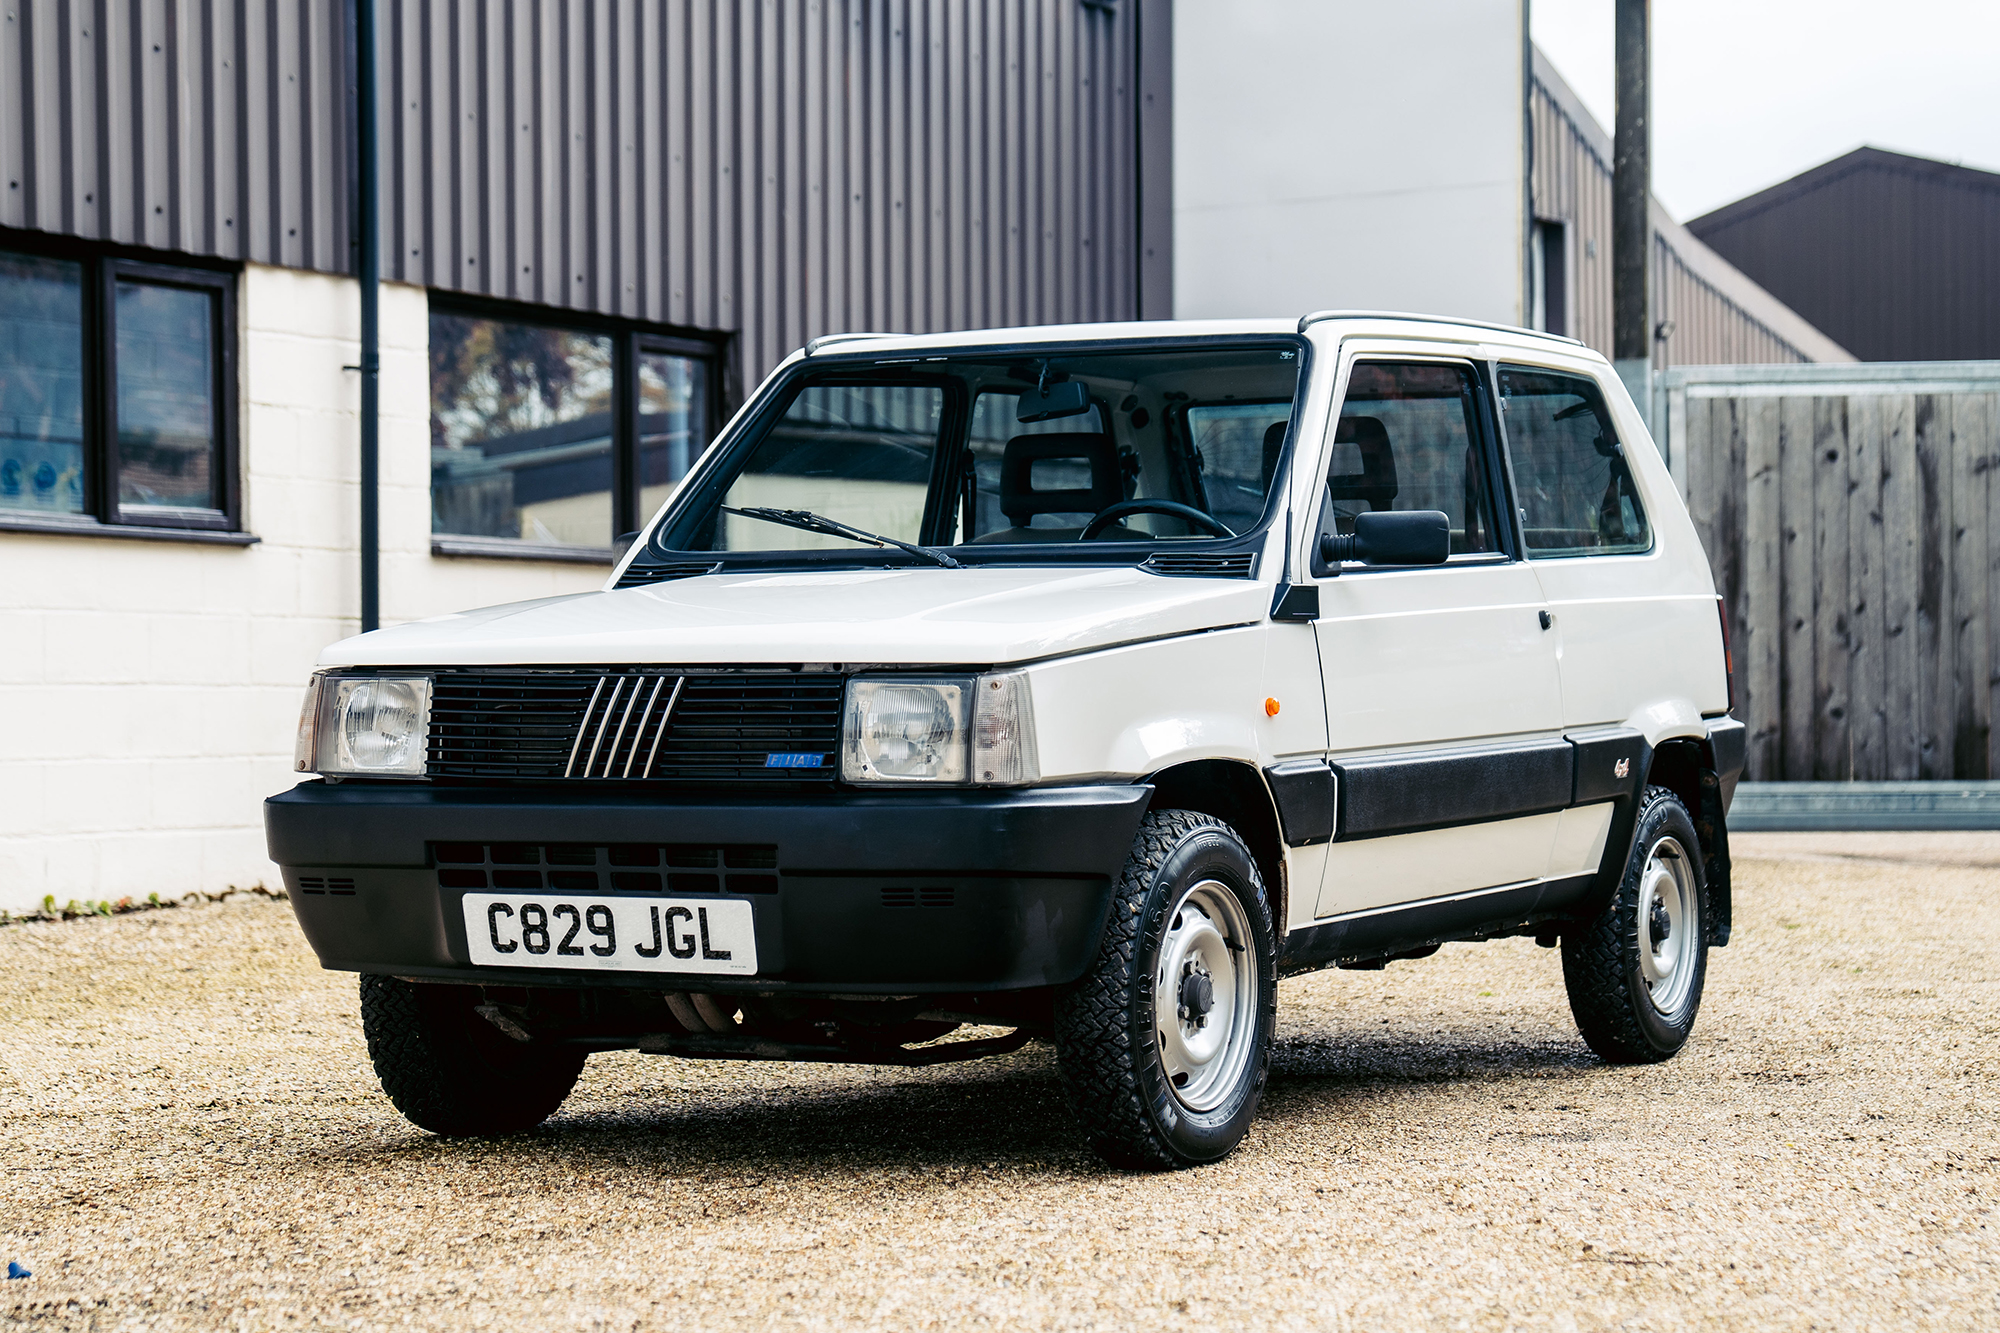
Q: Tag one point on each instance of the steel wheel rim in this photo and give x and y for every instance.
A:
(1669, 926)
(1205, 1051)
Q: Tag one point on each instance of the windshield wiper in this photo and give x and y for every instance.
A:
(807, 521)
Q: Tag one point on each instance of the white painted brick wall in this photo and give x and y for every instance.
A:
(149, 691)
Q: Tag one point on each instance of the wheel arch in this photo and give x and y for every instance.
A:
(1686, 766)
(1234, 792)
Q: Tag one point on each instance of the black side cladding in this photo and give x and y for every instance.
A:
(1403, 793)
(1306, 796)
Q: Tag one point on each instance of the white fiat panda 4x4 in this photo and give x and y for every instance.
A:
(1065, 683)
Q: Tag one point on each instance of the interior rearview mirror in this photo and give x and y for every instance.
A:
(1395, 537)
(1067, 399)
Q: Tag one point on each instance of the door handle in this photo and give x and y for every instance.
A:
(1546, 619)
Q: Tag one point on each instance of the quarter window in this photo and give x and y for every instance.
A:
(1408, 438)
(116, 393)
(1576, 490)
(546, 436)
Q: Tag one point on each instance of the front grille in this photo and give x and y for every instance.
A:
(568, 867)
(661, 726)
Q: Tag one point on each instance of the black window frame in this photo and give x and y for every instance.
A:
(103, 267)
(630, 339)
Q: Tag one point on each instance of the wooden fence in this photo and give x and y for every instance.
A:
(1852, 519)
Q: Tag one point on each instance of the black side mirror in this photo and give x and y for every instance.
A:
(1067, 399)
(1397, 537)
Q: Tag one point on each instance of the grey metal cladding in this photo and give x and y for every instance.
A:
(783, 169)
(786, 169)
(200, 126)
(1570, 182)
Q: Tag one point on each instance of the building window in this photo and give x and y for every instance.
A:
(117, 393)
(556, 437)
(1548, 278)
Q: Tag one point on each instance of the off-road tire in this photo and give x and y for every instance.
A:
(453, 1073)
(1107, 1042)
(1609, 997)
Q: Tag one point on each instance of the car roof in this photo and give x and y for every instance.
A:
(1383, 322)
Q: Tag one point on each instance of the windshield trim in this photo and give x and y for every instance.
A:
(772, 398)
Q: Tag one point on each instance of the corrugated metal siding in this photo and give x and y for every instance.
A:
(1708, 329)
(200, 126)
(1570, 182)
(787, 169)
(783, 168)
(1896, 257)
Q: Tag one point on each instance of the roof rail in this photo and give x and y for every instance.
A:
(1316, 316)
(828, 340)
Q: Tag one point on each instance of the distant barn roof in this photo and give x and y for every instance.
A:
(1896, 257)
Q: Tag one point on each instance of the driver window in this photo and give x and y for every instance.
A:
(1406, 440)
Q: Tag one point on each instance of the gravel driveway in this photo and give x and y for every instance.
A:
(193, 1139)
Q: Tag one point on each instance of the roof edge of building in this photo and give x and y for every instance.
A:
(1865, 158)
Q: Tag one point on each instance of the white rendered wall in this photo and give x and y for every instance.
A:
(149, 690)
(1349, 154)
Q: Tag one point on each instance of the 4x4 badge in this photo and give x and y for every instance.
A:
(1622, 769)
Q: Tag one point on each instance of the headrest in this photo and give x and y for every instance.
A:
(1020, 501)
(1376, 482)
(1274, 444)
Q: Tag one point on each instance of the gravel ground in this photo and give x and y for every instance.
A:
(193, 1139)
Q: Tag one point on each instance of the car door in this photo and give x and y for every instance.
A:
(1443, 704)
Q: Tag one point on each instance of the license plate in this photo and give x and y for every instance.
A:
(611, 934)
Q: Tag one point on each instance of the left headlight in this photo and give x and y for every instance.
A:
(956, 730)
(367, 726)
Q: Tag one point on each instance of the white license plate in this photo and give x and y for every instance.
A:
(714, 935)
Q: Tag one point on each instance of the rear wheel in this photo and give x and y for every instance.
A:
(1164, 1044)
(449, 1070)
(1635, 975)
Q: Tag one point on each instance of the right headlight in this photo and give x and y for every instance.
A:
(365, 726)
(947, 730)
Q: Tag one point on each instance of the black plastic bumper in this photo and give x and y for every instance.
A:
(910, 893)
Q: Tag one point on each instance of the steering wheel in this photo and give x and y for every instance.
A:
(1110, 514)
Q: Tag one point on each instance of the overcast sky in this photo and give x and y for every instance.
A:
(1749, 92)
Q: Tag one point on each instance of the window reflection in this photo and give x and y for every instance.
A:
(673, 424)
(166, 397)
(41, 384)
(521, 431)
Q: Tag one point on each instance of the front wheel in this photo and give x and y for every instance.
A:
(1164, 1044)
(449, 1070)
(1635, 974)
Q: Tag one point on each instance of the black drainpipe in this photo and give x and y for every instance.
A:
(371, 323)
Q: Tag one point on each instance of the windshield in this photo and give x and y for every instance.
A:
(1041, 449)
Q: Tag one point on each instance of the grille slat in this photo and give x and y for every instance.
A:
(661, 726)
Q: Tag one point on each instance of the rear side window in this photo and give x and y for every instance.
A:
(1407, 439)
(1577, 496)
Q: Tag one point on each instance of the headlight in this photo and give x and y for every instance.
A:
(905, 731)
(955, 730)
(367, 725)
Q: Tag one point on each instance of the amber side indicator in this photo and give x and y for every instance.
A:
(1728, 654)
(1270, 708)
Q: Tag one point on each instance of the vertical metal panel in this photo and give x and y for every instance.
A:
(208, 127)
(1570, 182)
(779, 169)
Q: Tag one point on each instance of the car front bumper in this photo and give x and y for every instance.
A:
(903, 893)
